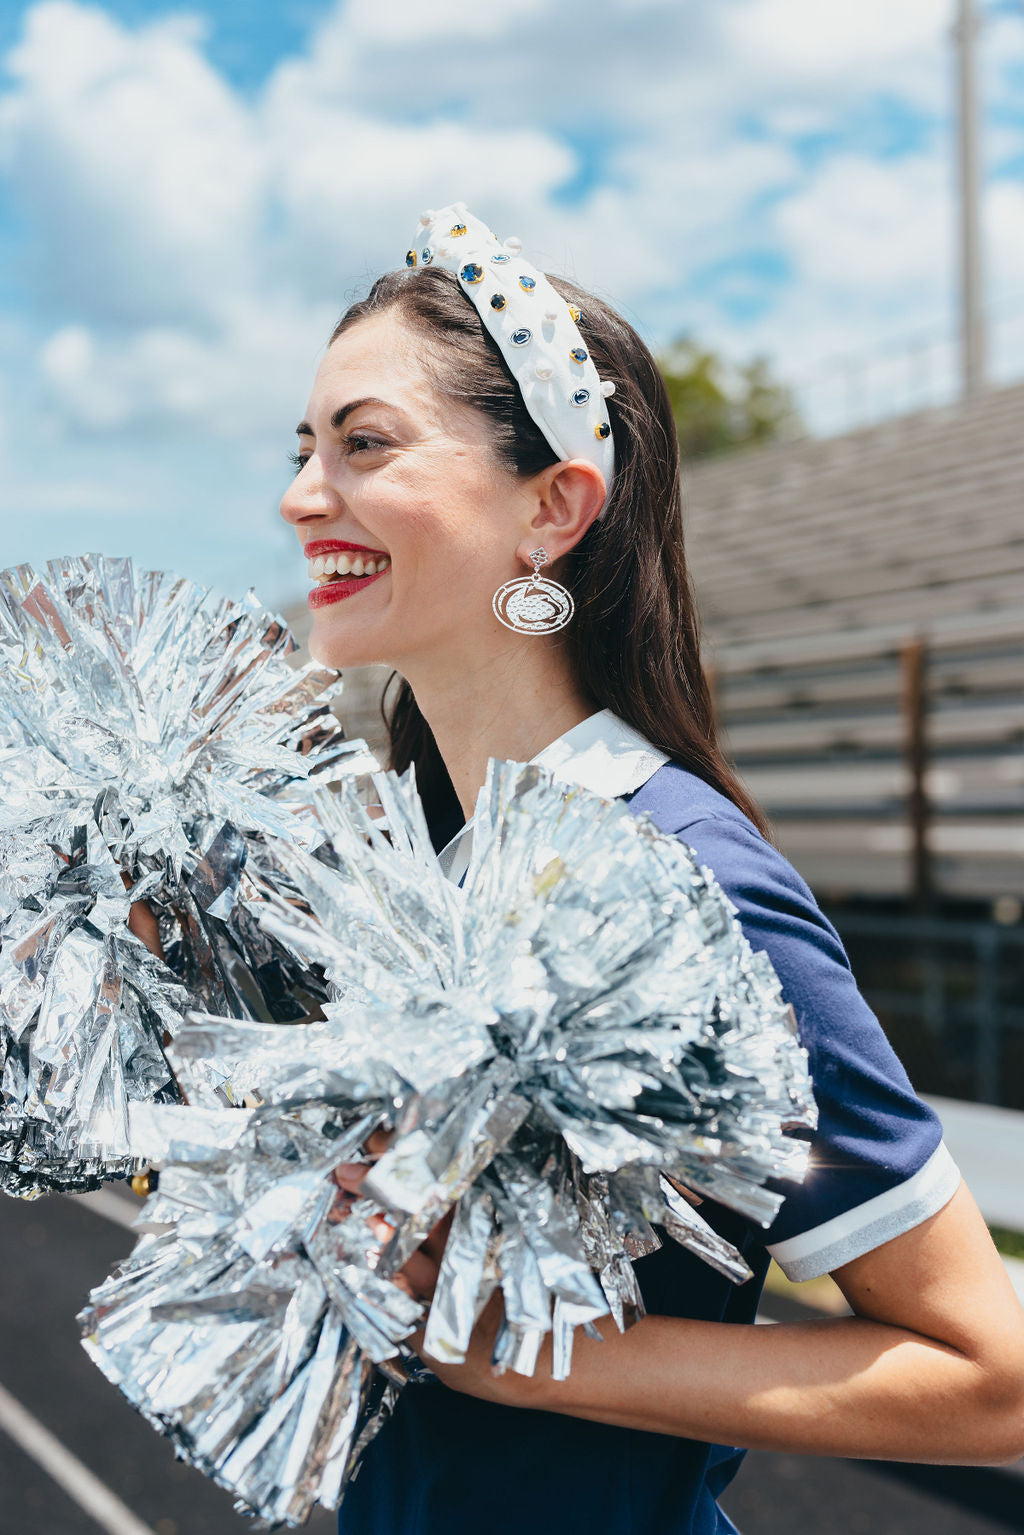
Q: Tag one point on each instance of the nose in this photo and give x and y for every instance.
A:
(309, 498)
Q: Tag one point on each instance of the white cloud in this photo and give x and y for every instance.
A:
(243, 382)
(856, 45)
(1004, 228)
(186, 247)
(408, 21)
(871, 227)
(350, 188)
(138, 168)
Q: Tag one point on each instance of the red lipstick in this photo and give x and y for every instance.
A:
(342, 586)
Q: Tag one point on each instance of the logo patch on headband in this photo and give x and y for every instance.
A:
(579, 397)
(521, 336)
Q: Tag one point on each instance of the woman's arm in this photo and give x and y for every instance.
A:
(930, 1368)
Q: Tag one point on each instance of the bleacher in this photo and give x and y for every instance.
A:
(863, 599)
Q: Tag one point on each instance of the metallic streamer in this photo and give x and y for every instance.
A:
(565, 1053)
(152, 733)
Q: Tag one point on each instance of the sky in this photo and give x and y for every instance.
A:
(190, 196)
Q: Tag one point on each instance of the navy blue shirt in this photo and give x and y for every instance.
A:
(448, 1464)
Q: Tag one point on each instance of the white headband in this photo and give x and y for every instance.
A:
(534, 327)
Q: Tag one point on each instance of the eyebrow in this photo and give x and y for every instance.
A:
(339, 416)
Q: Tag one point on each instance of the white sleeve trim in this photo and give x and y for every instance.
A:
(878, 1220)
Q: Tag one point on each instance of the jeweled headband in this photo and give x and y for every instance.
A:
(536, 330)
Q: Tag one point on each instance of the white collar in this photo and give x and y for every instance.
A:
(602, 753)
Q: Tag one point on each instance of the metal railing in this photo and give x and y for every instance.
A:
(950, 994)
(909, 373)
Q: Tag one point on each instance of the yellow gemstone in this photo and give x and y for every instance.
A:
(456, 230)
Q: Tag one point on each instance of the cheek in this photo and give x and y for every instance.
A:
(408, 507)
(430, 530)
(443, 516)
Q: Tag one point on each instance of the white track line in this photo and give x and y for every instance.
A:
(92, 1495)
(111, 1206)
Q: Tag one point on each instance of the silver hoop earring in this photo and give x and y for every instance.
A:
(533, 604)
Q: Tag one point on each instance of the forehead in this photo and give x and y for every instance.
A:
(379, 357)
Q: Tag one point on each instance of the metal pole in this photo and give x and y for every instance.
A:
(915, 750)
(987, 1052)
(972, 321)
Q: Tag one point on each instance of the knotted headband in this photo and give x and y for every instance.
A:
(536, 330)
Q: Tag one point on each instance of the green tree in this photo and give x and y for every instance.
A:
(718, 407)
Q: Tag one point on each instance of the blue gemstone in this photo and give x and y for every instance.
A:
(498, 301)
(528, 284)
(472, 272)
(602, 430)
(410, 258)
(579, 397)
(578, 354)
(521, 336)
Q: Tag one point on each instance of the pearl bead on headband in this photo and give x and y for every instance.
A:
(534, 327)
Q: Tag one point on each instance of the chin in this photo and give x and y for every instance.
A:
(318, 652)
(330, 646)
(339, 656)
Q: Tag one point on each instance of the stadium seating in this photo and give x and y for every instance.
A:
(826, 570)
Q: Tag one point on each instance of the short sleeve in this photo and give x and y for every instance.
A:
(878, 1164)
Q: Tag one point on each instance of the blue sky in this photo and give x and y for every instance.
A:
(189, 195)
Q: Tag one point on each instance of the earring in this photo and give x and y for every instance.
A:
(532, 604)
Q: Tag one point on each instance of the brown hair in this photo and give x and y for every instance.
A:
(634, 643)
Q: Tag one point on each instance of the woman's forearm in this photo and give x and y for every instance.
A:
(844, 1386)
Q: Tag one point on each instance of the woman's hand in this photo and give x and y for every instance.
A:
(418, 1276)
(142, 922)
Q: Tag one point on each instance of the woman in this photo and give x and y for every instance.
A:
(432, 464)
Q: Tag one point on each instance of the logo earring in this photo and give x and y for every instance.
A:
(533, 604)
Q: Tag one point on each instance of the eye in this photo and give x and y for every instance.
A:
(360, 442)
(300, 460)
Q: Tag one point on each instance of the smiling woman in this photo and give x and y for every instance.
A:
(472, 418)
(418, 445)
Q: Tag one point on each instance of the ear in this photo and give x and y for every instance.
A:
(569, 497)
